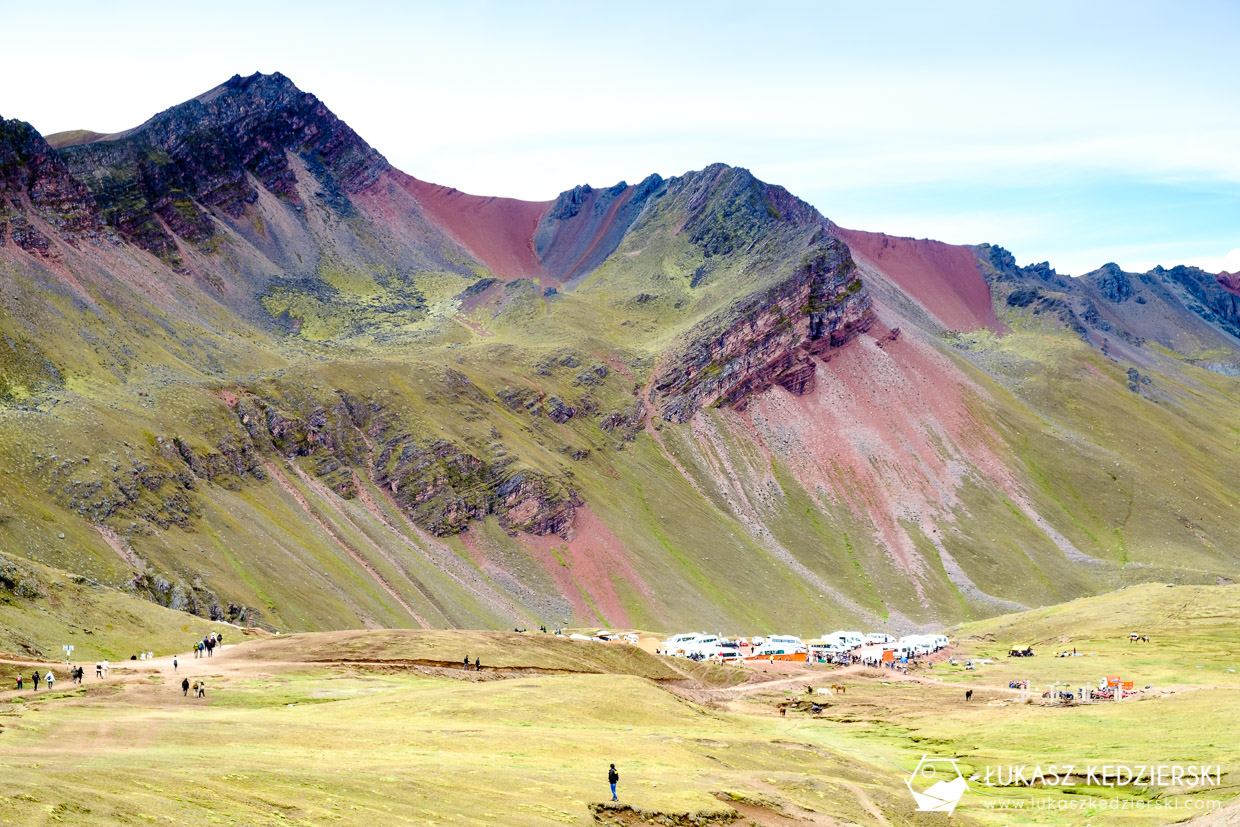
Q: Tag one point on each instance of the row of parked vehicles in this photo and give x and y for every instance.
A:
(703, 646)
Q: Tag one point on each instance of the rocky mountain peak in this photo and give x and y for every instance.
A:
(213, 152)
(1114, 284)
(33, 178)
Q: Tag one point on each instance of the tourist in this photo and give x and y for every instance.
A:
(613, 778)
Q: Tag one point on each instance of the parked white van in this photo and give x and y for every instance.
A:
(677, 643)
(849, 640)
(702, 645)
(918, 644)
(779, 645)
(824, 648)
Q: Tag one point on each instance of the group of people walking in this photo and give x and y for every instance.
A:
(76, 673)
(49, 680)
(205, 648)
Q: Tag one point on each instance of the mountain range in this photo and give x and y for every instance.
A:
(252, 371)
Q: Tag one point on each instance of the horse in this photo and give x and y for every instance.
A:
(838, 687)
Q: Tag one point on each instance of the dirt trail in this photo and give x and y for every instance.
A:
(131, 673)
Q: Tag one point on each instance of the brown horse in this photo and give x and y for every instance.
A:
(838, 687)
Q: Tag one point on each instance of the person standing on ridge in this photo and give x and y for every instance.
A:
(613, 778)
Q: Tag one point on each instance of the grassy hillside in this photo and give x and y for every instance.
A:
(43, 609)
(357, 726)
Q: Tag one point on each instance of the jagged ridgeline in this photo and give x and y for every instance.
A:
(252, 371)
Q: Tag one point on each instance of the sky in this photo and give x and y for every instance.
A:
(1074, 133)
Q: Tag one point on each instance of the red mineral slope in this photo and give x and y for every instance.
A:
(1229, 282)
(888, 432)
(943, 278)
(499, 232)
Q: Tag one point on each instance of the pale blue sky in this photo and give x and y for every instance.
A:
(1077, 133)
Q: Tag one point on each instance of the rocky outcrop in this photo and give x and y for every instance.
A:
(439, 484)
(1209, 296)
(584, 225)
(769, 338)
(34, 179)
(1040, 302)
(162, 178)
(443, 487)
(1112, 282)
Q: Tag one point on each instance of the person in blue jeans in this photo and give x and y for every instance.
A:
(612, 778)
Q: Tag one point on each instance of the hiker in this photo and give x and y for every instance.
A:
(202, 689)
(467, 661)
(613, 778)
(185, 687)
(49, 679)
(98, 669)
(477, 664)
(19, 681)
(174, 663)
(35, 677)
